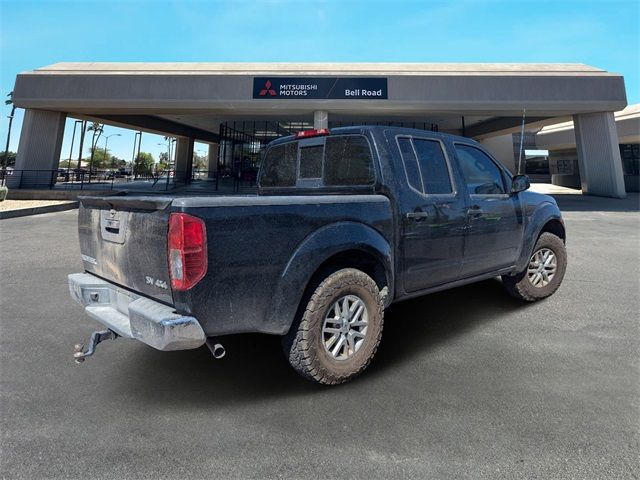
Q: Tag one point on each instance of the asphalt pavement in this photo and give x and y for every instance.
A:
(468, 383)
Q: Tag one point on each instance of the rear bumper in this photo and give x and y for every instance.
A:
(134, 316)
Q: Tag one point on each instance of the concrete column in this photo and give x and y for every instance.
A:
(38, 150)
(184, 160)
(501, 147)
(214, 148)
(599, 154)
(320, 119)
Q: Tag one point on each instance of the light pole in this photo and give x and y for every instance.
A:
(168, 159)
(10, 117)
(137, 138)
(106, 142)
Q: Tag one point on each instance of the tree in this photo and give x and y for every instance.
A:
(116, 162)
(143, 164)
(10, 158)
(200, 162)
(99, 158)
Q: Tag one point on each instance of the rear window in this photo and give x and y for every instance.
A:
(348, 161)
(279, 166)
(311, 161)
(343, 160)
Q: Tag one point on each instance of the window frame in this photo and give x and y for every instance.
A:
(452, 178)
(501, 169)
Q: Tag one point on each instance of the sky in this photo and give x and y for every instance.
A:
(603, 33)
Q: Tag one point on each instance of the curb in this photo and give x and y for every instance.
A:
(23, 212)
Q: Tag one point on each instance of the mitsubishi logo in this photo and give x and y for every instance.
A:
(267, 90)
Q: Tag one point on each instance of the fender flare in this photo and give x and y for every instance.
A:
(311, 253)
(543, 213)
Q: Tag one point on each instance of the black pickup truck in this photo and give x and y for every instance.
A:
(346, 222)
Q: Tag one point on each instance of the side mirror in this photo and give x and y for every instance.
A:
(520, 183)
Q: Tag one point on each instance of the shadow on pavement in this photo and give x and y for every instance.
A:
(255, 369)
(590, 203)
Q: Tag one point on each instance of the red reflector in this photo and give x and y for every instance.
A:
(313, 133)
(187, 250)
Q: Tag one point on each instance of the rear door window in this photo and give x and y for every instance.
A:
(410, 162)
(425, 166)
(433, 167)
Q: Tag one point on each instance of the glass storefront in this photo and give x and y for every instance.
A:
(630, 154)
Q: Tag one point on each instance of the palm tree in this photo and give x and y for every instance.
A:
(97, 130)
(9, 101)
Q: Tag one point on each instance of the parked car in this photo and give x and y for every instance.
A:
(345, 223)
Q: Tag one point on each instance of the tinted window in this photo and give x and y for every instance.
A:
(348, 161)
(279, 166)
(311, 161)
(433, 167)
(410, 164)
(482, 175)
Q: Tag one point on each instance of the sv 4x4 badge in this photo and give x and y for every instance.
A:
(158, 283)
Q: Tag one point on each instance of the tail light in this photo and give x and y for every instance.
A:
(313, 133)
(187, 246)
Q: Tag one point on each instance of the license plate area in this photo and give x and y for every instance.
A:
(113, 225)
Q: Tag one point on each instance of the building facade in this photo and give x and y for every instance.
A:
(236, 108)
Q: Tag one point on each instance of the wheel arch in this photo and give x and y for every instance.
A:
(331, 248)
(546, 218)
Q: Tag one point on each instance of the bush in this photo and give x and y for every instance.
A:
(3, 193)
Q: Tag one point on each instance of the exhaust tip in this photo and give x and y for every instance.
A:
(218, 351)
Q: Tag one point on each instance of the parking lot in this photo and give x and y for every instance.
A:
(468, 383)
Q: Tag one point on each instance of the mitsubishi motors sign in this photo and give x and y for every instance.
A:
(341, 88)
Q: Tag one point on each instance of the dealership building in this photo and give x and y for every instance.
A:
(236, 108)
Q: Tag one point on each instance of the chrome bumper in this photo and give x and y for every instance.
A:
(133, 316)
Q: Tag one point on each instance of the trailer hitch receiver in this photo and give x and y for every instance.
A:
(96, 337)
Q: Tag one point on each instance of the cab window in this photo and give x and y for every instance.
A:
(481, 174)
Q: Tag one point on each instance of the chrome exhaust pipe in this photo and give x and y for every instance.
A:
(217, 349)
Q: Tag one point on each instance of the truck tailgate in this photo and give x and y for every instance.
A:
(124, 240)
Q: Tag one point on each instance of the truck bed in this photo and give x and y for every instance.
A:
(252, 243)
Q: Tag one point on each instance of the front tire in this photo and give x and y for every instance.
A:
(338, 333)
(544, 272)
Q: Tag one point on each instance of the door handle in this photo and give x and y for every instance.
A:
(417, 216)
(475, 211)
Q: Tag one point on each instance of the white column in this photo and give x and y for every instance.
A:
(599, 154)
(320, 119)
(39, 148)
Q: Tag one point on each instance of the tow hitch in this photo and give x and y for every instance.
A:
(96, 338)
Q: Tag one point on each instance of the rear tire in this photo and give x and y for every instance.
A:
(544, 272)
(338, 332)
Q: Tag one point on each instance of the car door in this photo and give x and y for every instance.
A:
(494, 216)
(433, 215)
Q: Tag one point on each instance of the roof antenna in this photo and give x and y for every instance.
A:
(524, 111)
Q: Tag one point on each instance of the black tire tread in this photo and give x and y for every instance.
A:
(298, 343)
(517, 285)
